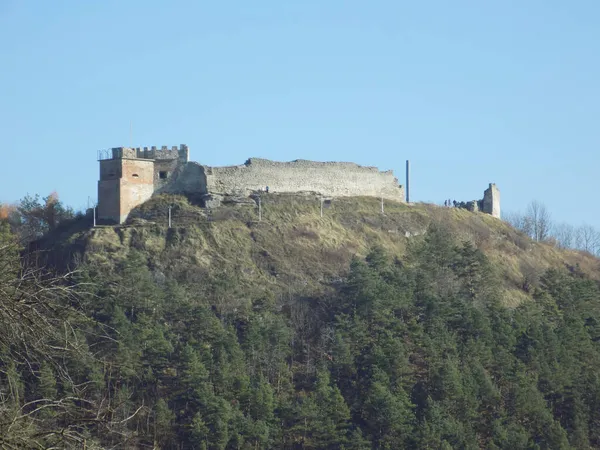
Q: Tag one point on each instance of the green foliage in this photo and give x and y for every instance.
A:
(411, 353)
(35, 217)
(47, 382)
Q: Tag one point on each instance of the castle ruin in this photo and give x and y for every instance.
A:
(491, 201)
(130, 176)
(490, 204)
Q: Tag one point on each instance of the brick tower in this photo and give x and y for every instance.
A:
(129, 177)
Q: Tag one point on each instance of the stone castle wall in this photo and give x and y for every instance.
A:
(335, 179)
(130, 176)
(490, 204)
(491, 201)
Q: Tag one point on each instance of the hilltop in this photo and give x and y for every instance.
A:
(418, 327)
(294, 248)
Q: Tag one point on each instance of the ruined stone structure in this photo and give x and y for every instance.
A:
(129, 177)
(490, 204)
(331, 179)
(491, 201)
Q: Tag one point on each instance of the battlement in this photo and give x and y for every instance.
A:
(163, 153)
(131, 175)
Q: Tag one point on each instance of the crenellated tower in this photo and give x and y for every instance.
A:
(129, 177)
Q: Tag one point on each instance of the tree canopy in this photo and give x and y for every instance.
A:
(411, 352)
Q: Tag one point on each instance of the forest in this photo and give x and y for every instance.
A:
(411, 350)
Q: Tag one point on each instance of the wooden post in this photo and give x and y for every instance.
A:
(259, 210)
(407, 181)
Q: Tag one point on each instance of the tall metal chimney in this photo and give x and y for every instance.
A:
(407, 181)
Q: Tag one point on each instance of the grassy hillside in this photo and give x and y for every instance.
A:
(294, 249)
(422, 327)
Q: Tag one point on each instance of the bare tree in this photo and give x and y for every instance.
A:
(535, 223)
(519, 221)
(42, 324)
(564, 234)
(541, 220)
(587, 239)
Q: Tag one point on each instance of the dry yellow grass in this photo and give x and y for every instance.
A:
(294, 246)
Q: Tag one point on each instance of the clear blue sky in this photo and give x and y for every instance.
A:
(471, 92)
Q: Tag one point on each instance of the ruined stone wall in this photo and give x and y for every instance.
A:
(491, 201)
(164, 170)
(490, 204)
(188, 179)
(334, 179)
(133, 175)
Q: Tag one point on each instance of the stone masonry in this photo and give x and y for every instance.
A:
(490, 204)
(491, 201)
(130, 176)
(331, 179)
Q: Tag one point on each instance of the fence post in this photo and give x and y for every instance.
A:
(259, 209)
(94, 216)
(169, 216)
